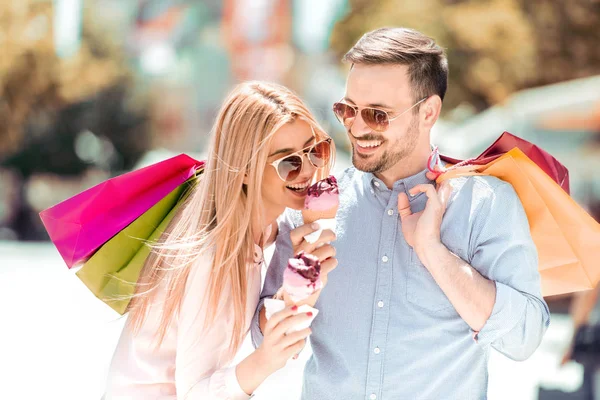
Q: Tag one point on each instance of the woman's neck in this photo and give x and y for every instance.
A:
(261, 230)
(262, 223)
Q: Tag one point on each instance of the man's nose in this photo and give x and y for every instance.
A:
(359, 128)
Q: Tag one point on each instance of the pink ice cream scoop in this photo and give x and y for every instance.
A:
(301, 277)
(323, 195)
(322, 200)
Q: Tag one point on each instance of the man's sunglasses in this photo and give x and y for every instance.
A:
(376, 119)
(289, 167)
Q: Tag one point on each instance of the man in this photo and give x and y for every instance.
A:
(417, 300)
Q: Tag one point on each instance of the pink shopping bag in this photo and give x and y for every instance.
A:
(81, 224)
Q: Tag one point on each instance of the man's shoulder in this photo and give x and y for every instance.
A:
(347, 177)
(289, 220)
(482, 189)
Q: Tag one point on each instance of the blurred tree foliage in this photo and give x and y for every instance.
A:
(46, 101)
(495, 47)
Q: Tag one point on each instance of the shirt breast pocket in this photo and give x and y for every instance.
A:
(422, 290)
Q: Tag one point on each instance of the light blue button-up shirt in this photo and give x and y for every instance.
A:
(385, 329)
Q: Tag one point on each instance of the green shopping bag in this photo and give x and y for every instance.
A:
(112, 272)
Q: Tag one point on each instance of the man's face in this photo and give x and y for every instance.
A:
(386, 88)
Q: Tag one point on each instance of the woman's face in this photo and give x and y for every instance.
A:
(278, 194)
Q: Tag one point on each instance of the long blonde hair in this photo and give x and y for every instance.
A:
(220, 211)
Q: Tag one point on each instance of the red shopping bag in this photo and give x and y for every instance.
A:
(506, 142)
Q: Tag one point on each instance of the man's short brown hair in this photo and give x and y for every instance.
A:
(426, 61)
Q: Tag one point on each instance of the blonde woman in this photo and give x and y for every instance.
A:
(199, 290)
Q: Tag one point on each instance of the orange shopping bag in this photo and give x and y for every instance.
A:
(566, 236)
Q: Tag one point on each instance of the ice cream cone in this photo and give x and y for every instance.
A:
(310, 216)
(322, 201)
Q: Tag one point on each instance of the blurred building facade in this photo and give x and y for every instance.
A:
(137, 76)
(90, 89)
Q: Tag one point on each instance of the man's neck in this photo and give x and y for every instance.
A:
(406, 167)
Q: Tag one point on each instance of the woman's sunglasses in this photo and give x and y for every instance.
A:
(289, 167)
(376, 119)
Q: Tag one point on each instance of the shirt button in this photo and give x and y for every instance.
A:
(380, 304)
(384, 259)
(373, 396)
(376, 183)
(376, 350)
(390, 212)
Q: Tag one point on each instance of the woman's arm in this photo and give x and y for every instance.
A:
(276, 349)
(202, 353)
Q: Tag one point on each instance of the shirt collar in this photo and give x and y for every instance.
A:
(376, 184)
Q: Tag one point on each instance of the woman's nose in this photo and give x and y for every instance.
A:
(308, 169)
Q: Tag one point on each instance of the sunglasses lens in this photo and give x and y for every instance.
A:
(289, 168)
(344, 113)
(319, 155)
(375, 119)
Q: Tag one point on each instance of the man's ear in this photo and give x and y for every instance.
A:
(430, 111)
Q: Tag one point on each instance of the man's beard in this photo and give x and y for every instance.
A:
(401, 149)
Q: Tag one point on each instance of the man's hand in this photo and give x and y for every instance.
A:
(422, 229)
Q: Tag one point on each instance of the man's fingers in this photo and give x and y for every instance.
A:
(432, 176)
(437, 198)
(403, 205)
(428, 189)
(297, 235)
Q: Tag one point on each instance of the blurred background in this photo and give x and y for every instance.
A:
(92, 89)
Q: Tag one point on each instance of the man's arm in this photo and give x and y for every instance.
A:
(503, 304)
(503, 250)
(472, 295)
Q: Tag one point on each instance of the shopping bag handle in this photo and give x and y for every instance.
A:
(443, 173)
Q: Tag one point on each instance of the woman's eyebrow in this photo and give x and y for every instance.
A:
(289, 150)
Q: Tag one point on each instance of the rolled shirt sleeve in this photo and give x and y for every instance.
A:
(502, 250)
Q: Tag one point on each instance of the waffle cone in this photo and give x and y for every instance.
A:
(285, 297)
(311, 216)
